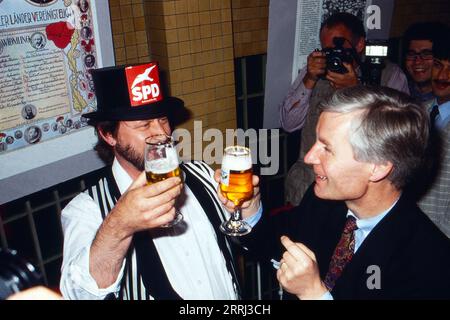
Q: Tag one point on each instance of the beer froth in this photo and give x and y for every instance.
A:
(234, 163)
(163, 165)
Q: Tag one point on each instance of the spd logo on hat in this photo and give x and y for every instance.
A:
(143, 84)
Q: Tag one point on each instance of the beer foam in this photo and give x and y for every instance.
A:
(231, 162)
(163, 165)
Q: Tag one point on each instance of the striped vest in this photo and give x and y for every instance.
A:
(144, 275)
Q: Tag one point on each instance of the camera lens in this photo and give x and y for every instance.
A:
(16, 274)
(335, 62)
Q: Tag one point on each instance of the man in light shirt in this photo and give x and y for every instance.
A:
(419, 39)
(356, 234)
(114, 242)
(435, 201)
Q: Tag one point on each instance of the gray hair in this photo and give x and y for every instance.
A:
(389, 127)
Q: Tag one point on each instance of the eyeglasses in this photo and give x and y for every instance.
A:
(423, 55)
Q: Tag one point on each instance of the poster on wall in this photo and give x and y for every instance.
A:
(47, 49)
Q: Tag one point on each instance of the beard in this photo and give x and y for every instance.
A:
(131, 155)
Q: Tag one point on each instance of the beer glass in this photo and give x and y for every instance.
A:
(161, 162)
(236, 185)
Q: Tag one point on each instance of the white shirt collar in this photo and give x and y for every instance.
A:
(365, 226)
(370, 223)
(123, 179)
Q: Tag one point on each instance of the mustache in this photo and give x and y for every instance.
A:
(441, 82)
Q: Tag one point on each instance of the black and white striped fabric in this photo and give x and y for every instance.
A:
(144, 275)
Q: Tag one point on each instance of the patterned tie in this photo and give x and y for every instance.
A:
(342, 254)
(433, 115)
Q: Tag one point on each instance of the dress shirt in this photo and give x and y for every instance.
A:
(365, 226)
(443, 117)
(294, 108)
(416, 94)
(189, 251)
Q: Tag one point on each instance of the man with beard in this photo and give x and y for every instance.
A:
(419, 39)
(436, 201)
(115, 242)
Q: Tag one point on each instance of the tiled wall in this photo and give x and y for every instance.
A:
(250, 26)
(193, 42)
(129, 31)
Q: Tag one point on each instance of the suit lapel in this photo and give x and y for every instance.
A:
(377, 249)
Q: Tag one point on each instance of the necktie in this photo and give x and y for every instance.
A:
(433, 114)
(343, 253)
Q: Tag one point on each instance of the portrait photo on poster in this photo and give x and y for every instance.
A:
(38, 40)
(29, 111)
(41, 3)
(89, 61)
(86, 33)
(33, 134)
(83, 5)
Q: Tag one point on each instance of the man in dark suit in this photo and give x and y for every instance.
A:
(356, 235)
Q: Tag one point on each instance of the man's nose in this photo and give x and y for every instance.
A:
(311, 157)
(444, 74)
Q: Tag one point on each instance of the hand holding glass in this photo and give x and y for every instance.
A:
(161, 162)
(236, 185)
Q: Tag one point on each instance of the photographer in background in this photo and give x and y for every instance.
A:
(316, 82)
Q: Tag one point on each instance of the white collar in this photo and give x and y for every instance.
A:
(122, 178)
(369, 223)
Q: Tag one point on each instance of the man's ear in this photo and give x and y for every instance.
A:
(107, 137)
(360, 45)
(381, 171)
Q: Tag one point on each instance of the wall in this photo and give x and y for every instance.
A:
(407, 12)
(193, 42)
(250, 27)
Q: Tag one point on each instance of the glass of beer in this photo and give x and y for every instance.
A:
(161, 162)
(236, 185)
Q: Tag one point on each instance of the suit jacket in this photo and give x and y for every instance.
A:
(410, 253)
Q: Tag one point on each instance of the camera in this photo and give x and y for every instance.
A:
(338, 55)
(16, 274)
(376, 53)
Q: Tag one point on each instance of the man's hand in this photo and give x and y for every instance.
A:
(299, 272)
(144, 206)
(316, 67)
(141, 207)
(249, 207)
(343, 80)
(36, 293)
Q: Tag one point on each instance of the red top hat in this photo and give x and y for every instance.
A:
(126, 93)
